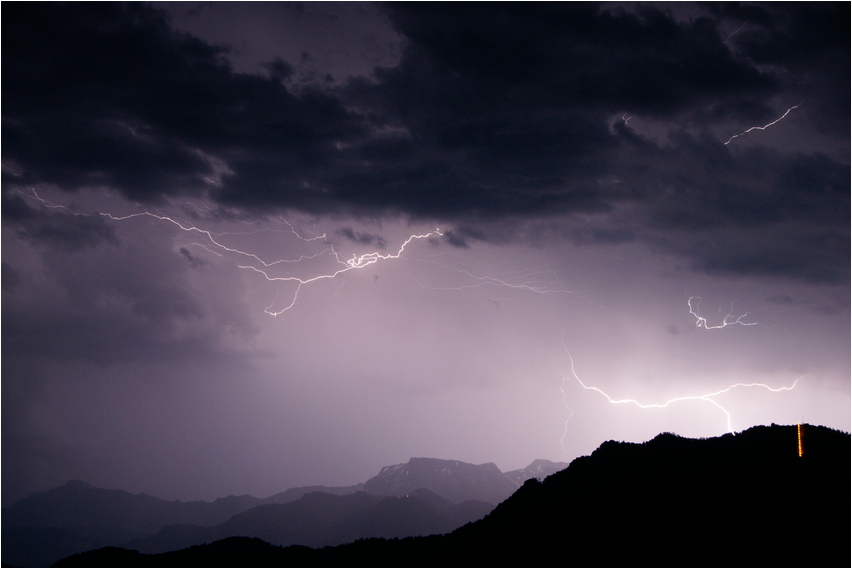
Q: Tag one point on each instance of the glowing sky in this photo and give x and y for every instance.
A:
(595, 175)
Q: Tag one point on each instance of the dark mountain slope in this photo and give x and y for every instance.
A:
(318, 519)
(48, 526)
(745, 500)
(293, 494)
(115, 514)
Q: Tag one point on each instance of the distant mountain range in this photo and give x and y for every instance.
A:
(747, 500)
(539, 469)
(453, 480)
(440, 495)
(318, 519)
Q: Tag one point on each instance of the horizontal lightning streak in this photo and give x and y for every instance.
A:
(540, 282)
(727, 319)
(548, 288)
(544, 282)
(704, 397)
(356, 262)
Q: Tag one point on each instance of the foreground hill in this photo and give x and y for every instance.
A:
(745, 499)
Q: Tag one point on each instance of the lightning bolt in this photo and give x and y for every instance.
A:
(764, 127)
(356, 262)
(540, 282)
(708, 397)
(733, 33)
(727, 320)
(216, 246)
(531, 281)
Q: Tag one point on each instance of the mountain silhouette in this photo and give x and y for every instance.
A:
(453, 480)
(319, 519)
(293, 494)
(76, 517)
(539, 468)
(747, 499)
(47, 526)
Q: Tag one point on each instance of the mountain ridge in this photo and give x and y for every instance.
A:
(744, 499)
(453, 480)
(47, 526)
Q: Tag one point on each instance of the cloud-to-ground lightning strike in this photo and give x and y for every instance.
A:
(727, 320)
(764, 127)
(703, 397)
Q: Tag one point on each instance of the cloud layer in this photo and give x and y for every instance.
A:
(510, 112)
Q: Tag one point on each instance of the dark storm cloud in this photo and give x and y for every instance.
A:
(566, 55)
(363, 238)
(809, 41)
(456, 239)
(194, 262)
(120, 304)
(106, 94)
(496, 112)
(753, 212)
(61, 230)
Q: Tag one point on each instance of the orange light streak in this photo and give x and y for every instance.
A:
(799, 429)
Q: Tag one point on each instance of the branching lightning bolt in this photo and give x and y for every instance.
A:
(727, 320)
(356, 262)
(703, 397)
(540, 282)
(764, 127)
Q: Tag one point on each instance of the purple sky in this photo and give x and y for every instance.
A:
(171, 172)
